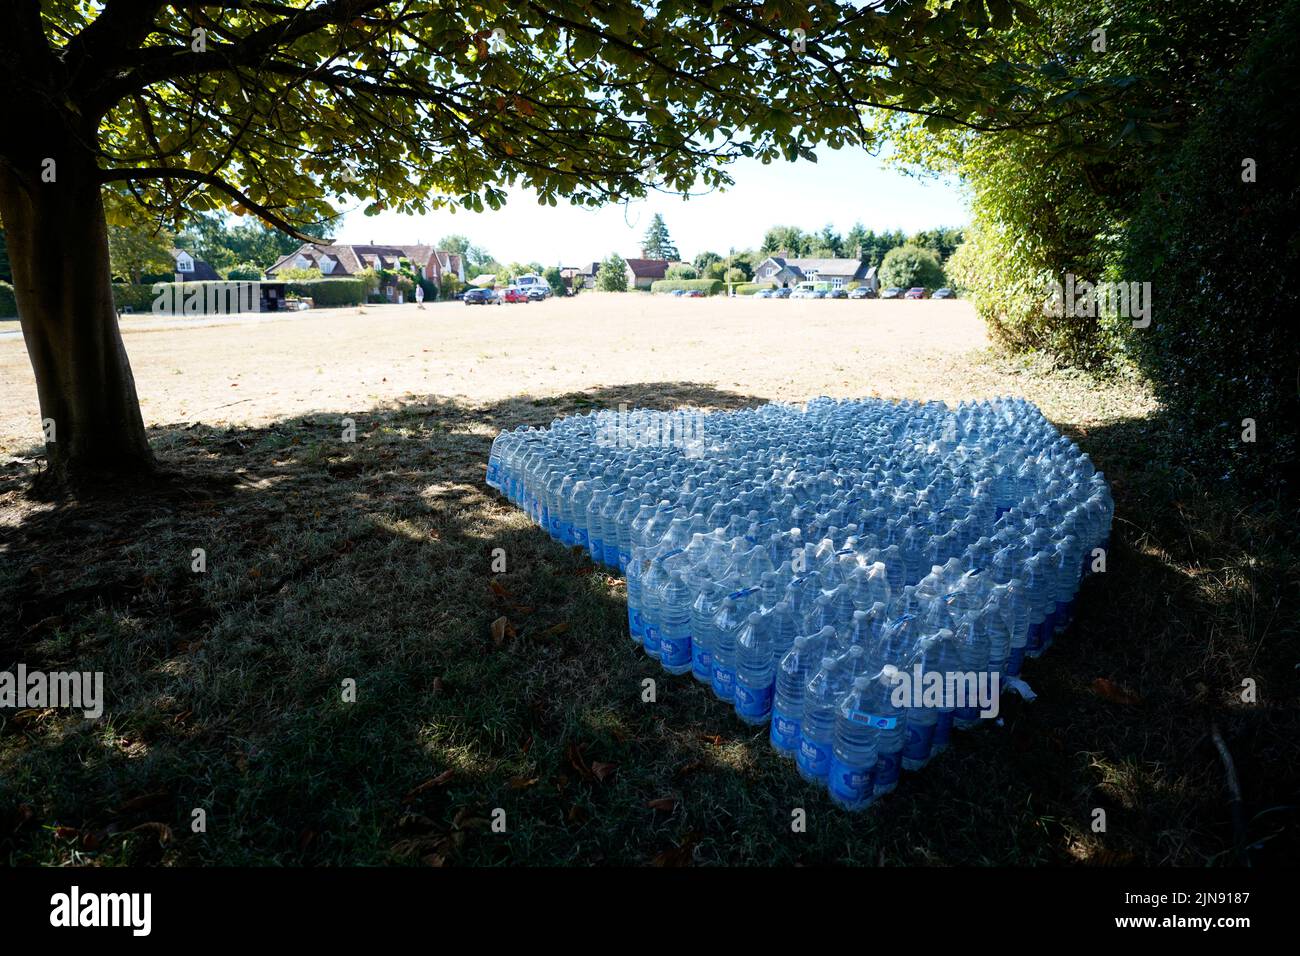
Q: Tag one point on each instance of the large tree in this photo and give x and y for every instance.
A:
(658, 244)
(280, 109)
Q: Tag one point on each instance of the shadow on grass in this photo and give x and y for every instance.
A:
(329, 561)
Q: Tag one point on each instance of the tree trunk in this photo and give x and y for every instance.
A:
(58, 250)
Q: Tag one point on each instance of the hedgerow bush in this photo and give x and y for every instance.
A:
(328, 292)
(749, 288)
(707, 286)
(8, 304)
(1223, 257)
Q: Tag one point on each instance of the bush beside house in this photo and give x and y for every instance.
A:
(8, 304)
(707, 286)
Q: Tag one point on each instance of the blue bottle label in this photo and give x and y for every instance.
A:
(674, 651)
(875, 720)
(785, 732)
(917, 744)
(851, 784)
(814, 758)
(751, 702)
(724, 682)
(701, 662)
(651, 638)
(886, 772)
(638, 625)
(580, 536)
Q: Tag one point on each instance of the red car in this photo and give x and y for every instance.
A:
(914, 293)
(515, 294)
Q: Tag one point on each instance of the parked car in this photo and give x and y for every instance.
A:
(838, 294)
(916, 292)
(538, 292)
(481, 297)
(944, 293)
(893, 292)
(764, 294)
(862, 292)
(678, 293)
(693, 294)
(782, 293)
(515, 294)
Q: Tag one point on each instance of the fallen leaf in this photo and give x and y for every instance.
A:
(663, 804)
(466, 819)
(603, 770)
(1114, 693)
(499, 589)
(683, 855)
(714, 739)
(688, 768)
(574, 754)
(429, 784)
(144, 800)
(521, 783)
(553, 630)
(161, 830)
(502, 629)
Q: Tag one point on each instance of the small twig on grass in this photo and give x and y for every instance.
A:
(1234, 789)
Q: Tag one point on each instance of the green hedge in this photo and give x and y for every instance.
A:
(749, 288)
(707, 286)
(327, 292)
(8, 304)
(172, 298)
(1222, 258)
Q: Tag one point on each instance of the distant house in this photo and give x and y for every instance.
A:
(584, 277)
(484, 280)
(189, 269)
(341, 260)
(641, 273)
(837, 273)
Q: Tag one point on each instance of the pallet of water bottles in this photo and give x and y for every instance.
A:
(861, 575)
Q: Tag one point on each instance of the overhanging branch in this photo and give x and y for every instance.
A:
(206, 179)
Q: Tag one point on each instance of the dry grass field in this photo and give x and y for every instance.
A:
(371, 561)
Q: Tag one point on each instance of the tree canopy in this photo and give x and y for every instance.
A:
(657, 244)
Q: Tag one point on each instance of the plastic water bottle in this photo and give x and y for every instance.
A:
(817, 728)
(703, 609)
(675, 625)
(755, 670)
(726, 625)
(793, 673)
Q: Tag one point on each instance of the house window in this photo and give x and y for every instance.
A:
(837, 282)
(302, 262)
(326, 266)
(184, 264)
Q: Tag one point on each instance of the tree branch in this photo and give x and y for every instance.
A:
(206, 179)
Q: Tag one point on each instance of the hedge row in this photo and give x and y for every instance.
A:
(749, 288)
(8, 304)
(707, 286)
(173, 297)
(325, 292)
(1220, 252)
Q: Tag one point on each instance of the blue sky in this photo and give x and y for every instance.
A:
(842, 187)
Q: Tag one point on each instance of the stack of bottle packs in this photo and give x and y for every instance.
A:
(861, 575)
